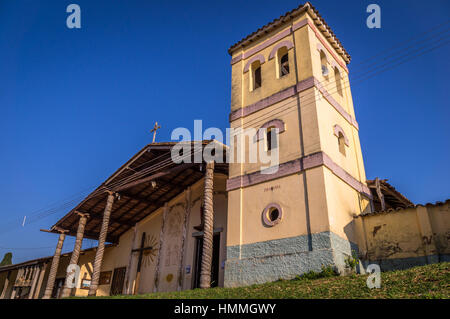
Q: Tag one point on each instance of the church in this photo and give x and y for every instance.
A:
(164, 225)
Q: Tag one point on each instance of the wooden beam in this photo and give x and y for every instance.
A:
(165, 183)
(138, 198)
(154, 176)
(99, 216)
(396, 197)
(101, 200)
(94, 236)
(380, 194)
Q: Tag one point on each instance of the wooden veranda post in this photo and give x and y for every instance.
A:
(127, 286)
(5, 286)
(101, 245)
(54, 266)
(205, 273)
(40, 280)
(161, 236)
(35, 277)
(139, 265)
(76, 251)
(187, 214)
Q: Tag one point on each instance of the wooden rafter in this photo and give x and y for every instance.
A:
(154, 176)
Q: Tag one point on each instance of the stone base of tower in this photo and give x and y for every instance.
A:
(285, 258)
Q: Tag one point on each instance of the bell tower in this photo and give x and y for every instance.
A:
(290, 89)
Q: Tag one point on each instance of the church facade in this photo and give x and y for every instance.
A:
(166, 226)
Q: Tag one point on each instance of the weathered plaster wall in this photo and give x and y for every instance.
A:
(407, 237)
(343, 203)
(170, 263)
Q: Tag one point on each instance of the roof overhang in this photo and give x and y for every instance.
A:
(143, 184)
(393, 198)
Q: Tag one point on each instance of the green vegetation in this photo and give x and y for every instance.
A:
(7, 260)
(430, 281)
(352, 261)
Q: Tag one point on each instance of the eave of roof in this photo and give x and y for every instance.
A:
(288, 16)
(391, 210)
(101, 191)
(402, 198)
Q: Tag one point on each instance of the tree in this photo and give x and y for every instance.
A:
(7, 260)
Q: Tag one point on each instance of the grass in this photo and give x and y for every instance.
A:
(430, 281)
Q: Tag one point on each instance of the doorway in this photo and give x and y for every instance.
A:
(214, 264)
(57, 287)
(117, 281)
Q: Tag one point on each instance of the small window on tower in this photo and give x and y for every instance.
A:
(341, 141)
(257, 77)
(271, 138)
(324, 62)
(283, 62)
(284, 65)
(337, 76)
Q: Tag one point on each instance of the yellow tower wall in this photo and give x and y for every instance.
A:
(318, 189)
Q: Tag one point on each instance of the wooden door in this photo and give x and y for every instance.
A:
(215, 261)
(117, 281)
(57, 288)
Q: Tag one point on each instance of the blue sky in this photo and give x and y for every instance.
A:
(77, 103)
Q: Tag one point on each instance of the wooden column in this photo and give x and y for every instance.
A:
(187, 213)
(5, 286)
(205, 273)
(54, 266)
(139, 265)
(13, 293)
(76, 252)
(161, 235)
(19, 275)
(34, 281)
(101, 245)
(127, 285)
(40, 281)
(380, 194)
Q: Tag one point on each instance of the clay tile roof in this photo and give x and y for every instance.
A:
(390, 210)
(307, 7)
(390, 191)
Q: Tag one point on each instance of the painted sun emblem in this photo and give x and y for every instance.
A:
(149, 254)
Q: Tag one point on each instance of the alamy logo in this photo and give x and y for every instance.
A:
(73, 274)
(374, 279)
(374, 20)
(74, 19)
(247, 145)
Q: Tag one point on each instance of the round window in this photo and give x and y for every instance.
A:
(272, 215)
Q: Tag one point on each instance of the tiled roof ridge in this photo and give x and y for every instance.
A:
(285, 17)
(389, 210)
